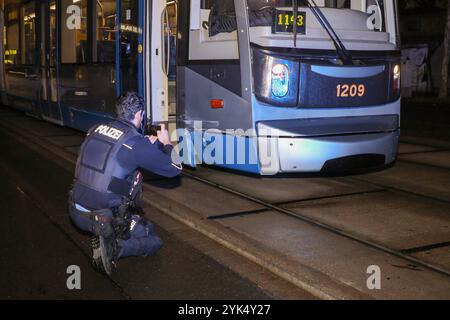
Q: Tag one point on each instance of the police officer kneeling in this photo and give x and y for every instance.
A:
(106, 198)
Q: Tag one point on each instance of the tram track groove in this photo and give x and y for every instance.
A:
(423, 164)
(412, 141)
(426, 248)
(337, 196)
(396, 189)
(297, 201)
(424, 152)
(237, 214)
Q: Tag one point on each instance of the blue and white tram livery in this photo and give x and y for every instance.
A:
(320, 96)
(62, 61)
(248, 89)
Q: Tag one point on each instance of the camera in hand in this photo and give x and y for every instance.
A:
(152, 130)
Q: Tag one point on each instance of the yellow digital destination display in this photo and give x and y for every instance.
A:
(284, 22)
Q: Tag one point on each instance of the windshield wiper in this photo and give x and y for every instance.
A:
(342, 52)
(295, 7)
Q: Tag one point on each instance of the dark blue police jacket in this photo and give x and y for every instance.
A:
(111, 154)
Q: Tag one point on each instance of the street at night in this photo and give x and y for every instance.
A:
(220, 151)
(403, 210)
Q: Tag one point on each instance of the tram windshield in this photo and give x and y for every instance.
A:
(364, 24)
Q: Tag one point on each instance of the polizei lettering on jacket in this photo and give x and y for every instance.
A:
(109, 132)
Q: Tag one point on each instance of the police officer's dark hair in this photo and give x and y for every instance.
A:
(128, 105)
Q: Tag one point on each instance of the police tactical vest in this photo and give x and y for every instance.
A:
(98, 168)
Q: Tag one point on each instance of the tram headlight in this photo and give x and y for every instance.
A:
(280, 80)
(396, 80)
(276, 80)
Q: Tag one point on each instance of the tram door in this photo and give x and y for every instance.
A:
(49, 94)
(156, 60)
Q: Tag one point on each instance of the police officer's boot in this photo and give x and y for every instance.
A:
(109, 249)
(97, 262)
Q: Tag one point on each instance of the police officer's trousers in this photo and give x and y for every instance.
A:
(142, 239)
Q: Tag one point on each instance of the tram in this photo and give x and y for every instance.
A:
(260, 86)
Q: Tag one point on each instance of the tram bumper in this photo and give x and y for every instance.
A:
(327, 145)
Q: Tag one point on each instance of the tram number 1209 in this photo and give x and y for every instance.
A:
(350, 90)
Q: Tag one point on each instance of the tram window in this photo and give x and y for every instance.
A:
(129, 32)
(74, 31)
(222, 17)
(206, 4)
(339, 4)
(172, 11)
(12, 44)
(28, 33)
(105, 37)
(52, 33)
(212, 33)
(12, 49)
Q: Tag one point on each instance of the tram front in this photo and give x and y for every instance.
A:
(325, 82)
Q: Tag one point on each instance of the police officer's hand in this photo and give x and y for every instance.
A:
(163, 135)
(152, 139)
